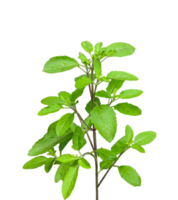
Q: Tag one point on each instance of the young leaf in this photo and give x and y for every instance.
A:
(76, 94)
(128, 109)
(64, 123)
(145, 138)
(69, 181)
(96, 103)
(129, 133)
(35, 162)
(50, 109)
(60, 64)
(122, 49)
(138, 148)
(82, 82)
(48, 164)
(105, 79)
(87, 46)
(49, 140)
(118, 75)
(65, 96)
(105, 164)
(97, 67)
(128, 94)
(98, 47)
(104, 119)
(106, 154)
(103, 93)
(62, 170)
(67, 158)
(83, 58)
(84, 75)
(88, 122)
(119, 146)
(78, 139)
(114, 84)
(130, 175)
(84, 163)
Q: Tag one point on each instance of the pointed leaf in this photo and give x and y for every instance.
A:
(118, 75)
(52, 100)
(62, 145)
(128, 109)
(103, 93)
(98, 47)
(65, 96)
(83, 58)
(60, 64)
(48, 164)
(50, 109)
(105, 164)
(97, 67)
(114, 84)
(84, 163)
(138, 148)
(35, 162)
(130, 175)
(105, 79)
(84, 75)
(128, 94)
(83, 82)
(67, 158)
(49, 140)
(145, 138)
(104, 119)
(76, 94)
(64, 123)
(129, 133)
(119, 146)
(69, 181)
(96, 103)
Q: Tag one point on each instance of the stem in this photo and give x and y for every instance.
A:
(82, 69)
(104, 59)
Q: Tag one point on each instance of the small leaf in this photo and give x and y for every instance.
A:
(105, 79)
(106, 154)
(84, 163)
(118, 75)
(128, 94)
(128, 109)
(50, 109)
(84, 75)
(76, 94)
(98, 47)
(105, 164)
(67, 158)
(65, 96)
(119, 146)
(138, 148)
(129, 133)
(82, 57)
(78, 139)
(114, 84)
(52, 100)
(87, 46)
(97, 67)
(88, 122)
(110, 52)
(96, 103)
(48, 164)
(103, 93)
(35, 162)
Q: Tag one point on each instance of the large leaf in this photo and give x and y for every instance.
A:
(96, 103)
(138, 148)
(48, 164)
(130, 175)
(76, 94)
(114, 84)
(121, 48)
(128, 94)
(119, 75)
(65, 96)
(97, 67)
(103, 93)
(104, 119)
(64, 123)
(49, 140)
(35, 162)
(87, 46)
(119, 146)
(105, 164)
(69, 181)
(50, 109)
(145, 138)
(82, 82)
(128, 109)
(60, 64)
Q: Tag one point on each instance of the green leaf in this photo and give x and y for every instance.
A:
(129, 133)
(84, 75)
(118, 75)
(97, 67)
(128, 94)
(103, 78)
(52, 100)
(76, 94)
(114, 84)
(110, 52)
(130, 175)
(98, 47)
(69, 181)
(67, 158)
(101, 93)
(104, 119)
(52, 152)
(145, 138)
(60, 64)
(64, 123)
(50, 109)
(105, 164)
(119, 146)
(35, 162)
(96, 103)
(62, 170)
(65, 96)
(78, 139)
(84, 163)
(83, 58)
(82, 82)
(87, 46)
(62, 145)
(48, 164)
(88, 122)
(106, 154)
(122, 49)
(138, 148)
(49, 140)
(128, 109)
